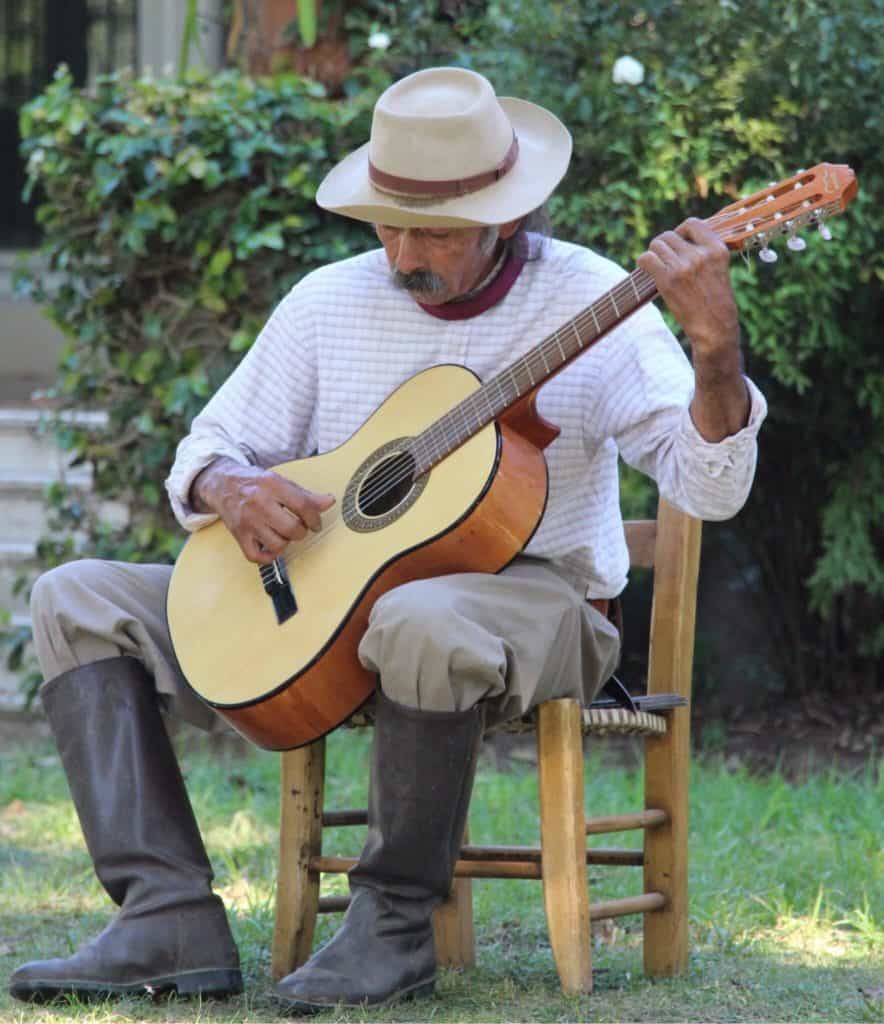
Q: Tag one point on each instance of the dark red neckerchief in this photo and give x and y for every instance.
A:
(485, 299)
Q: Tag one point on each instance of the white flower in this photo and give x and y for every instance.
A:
(379, 41)
(628, 71)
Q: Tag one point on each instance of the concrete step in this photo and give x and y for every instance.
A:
(27, 445)
(24, 518)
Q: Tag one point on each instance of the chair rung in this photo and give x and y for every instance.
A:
(594, 826)
(353, 817)
(534, 855)
(629, 905)
(643, 904)
(484, 862)
(625, 822)
(333, 904)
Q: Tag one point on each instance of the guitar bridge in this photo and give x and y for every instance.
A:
(278, 587)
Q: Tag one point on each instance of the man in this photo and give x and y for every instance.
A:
(451, 177)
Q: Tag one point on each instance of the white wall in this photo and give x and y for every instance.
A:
(160, 27)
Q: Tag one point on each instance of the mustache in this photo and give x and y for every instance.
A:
(423, 281)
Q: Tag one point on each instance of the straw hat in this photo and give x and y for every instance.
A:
(446, 152)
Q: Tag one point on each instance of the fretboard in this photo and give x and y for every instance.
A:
(527, 373)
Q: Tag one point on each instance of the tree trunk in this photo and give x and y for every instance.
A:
(264, 33)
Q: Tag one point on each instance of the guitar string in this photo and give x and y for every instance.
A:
(638, 280)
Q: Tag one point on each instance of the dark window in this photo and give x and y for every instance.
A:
(90, 36)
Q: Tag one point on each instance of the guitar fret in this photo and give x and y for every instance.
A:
(614, 304)
(635, 287)
(576, 334)
(559, 343)
(595, 319)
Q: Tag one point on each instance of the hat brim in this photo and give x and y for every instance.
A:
(544, 154)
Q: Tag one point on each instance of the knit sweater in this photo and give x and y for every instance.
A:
(345, 337)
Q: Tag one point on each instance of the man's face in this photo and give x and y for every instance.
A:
(436, 265)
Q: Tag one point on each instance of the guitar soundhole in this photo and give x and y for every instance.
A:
(383, 488)
(386, 486)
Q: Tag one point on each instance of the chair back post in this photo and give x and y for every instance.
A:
(667, 758)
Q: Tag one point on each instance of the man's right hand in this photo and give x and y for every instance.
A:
(262, 510)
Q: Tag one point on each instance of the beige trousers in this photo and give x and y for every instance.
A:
(512, 640)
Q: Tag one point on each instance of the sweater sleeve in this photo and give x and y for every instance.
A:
(263, 414)
(645, 385)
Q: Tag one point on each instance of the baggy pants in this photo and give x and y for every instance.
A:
(512, 640)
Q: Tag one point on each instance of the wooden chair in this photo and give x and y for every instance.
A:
(670, 544)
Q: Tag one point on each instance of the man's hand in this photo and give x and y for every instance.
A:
(262, 510)
(690, 267)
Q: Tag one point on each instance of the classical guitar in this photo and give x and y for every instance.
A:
(447, 475)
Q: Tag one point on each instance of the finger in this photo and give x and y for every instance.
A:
(286, 523)
(254, 551)
(672, 242)
(304, 504)
(269, 543)
(698, 232)
(651, 263)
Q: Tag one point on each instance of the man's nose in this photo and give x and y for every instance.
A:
(409, 253)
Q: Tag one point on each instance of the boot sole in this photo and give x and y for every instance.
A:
(417, 991)
(216, 983)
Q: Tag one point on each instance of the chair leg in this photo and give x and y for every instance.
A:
(300, 838)
(665, 933)
(453, 925)
(563, 841)
(667, 758)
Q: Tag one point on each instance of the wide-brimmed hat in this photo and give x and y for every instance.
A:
(446, 152)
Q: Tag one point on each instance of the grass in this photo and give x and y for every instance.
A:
(786, 894)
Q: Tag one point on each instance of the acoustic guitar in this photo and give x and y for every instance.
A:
(447, 475)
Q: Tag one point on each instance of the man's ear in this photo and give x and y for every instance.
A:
(510, 228)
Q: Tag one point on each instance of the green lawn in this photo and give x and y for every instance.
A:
(786, 894)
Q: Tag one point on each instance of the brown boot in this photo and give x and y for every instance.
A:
(423, 763)
(171, 931)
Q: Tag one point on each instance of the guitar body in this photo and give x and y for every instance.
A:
(286, 683)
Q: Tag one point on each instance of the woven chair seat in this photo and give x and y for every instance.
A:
(596, 722)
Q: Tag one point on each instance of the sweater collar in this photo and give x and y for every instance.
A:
(482, 299)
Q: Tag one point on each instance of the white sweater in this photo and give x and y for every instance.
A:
(345, 337)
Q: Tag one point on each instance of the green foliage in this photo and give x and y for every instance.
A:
(176, 216)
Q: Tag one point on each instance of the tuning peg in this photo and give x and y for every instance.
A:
(796, 243)
(767, 255)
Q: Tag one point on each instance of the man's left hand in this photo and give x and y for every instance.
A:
(690, 267)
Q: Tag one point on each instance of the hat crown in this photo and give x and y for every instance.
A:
(442, 123)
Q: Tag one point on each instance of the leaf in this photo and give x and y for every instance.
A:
(307, 22)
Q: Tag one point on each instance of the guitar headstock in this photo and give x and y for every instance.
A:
(784, 208)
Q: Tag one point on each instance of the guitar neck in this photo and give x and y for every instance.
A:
(530, 371)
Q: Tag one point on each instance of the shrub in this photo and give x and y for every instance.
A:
(177, 214)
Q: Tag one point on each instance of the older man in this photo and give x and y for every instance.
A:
(452, 180)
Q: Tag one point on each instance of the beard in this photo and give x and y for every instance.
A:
(423, 281)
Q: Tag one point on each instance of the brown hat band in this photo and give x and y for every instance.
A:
(418, 189)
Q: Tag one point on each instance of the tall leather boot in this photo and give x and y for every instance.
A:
(171, 931)
(423, 763)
